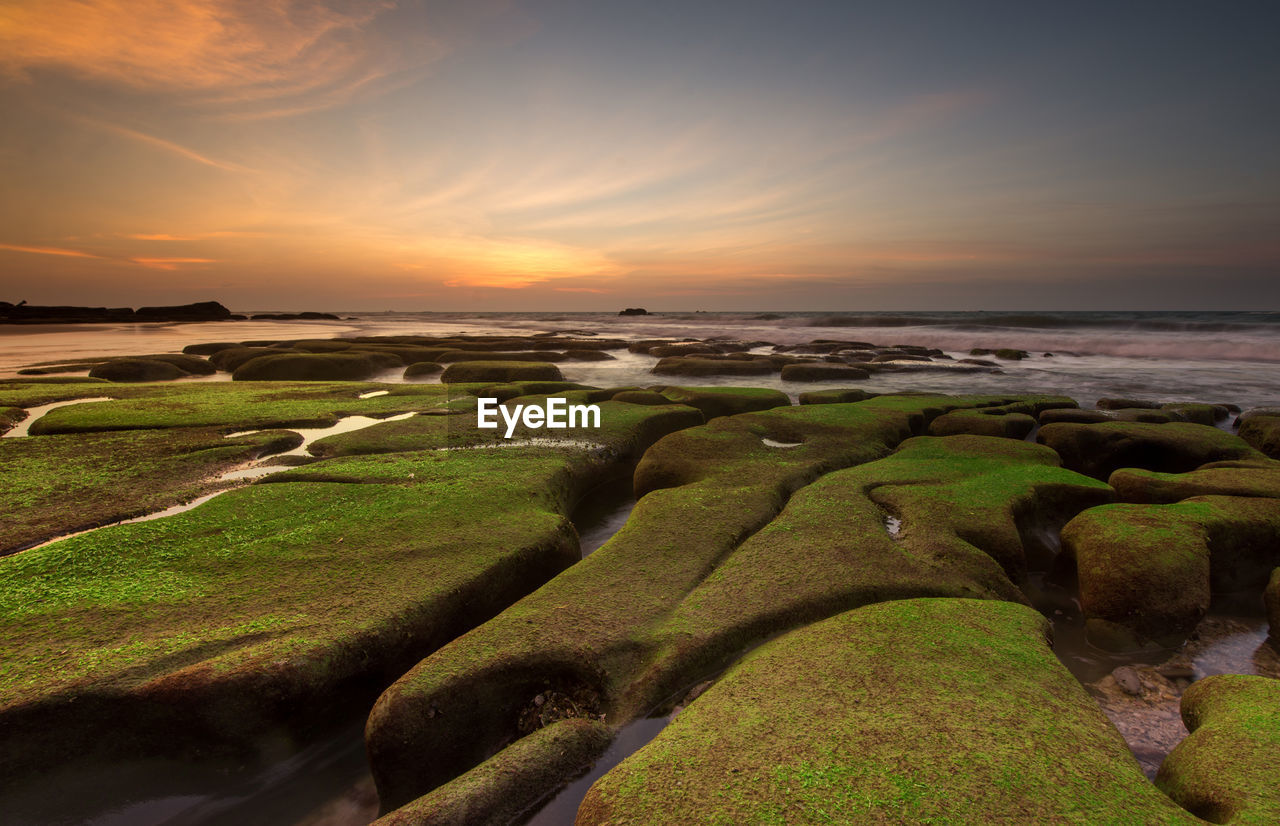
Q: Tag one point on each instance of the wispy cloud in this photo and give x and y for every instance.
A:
(162, 144)
(170, 263)
(48, 251)
(267, 47)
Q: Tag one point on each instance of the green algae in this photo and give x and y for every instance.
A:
(625, 429)
(1225, 769)
(1153, 568)
(921, 710)
(265, 600)
(1238, 478)
(612, 622)
(55, 485)
(237, 406)
(1263, 433)
(500, 371)
(725, 401)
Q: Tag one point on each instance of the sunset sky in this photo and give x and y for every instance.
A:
(596, 154)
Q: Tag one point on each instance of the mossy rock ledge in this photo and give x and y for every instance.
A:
(1225, 769)
(1147, 572)
(911, 711)
(500, 371)
(263, 608)
(731, 542)
(1098, 450)
(1260, 477)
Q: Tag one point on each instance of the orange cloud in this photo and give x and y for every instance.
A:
(253, 49)
(48, 251)
(170, 263)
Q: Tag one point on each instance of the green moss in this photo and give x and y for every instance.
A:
(34, 392)
(922, 710)
(625, 429)
(726, 401)
(55, 485)
(345, 366)
(1225, 770)
(1152, 568)
(614, 621)
(10, 416)
(841, 396)
(1238, 478)
(294, 587)
(500, 371)
(235, 406)
(1263, 433)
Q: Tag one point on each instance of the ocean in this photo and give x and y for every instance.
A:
(1219, 357)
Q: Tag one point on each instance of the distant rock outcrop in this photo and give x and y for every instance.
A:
(634, 311)
(24, 313)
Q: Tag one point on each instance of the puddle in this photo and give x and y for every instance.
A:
(347, 424)
(893, 525)
(325, 782)
(372, 394)
(23, 428)
(775, 443)
(1150, 720)
(563, 807)
(602, 513)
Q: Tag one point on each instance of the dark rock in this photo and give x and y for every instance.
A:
(309, 367)
(823, 372)
(1116, 404)
(199, 311)
(501, 371)
(136, 370)
(1272, 599)
(1263, 433)
(1098, 450)
(641, 397)
(633, 311)
(210, 348)
(695, 366)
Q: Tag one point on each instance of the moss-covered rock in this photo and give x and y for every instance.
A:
(1244, 477)
(209, 348)
(311, 367)
(996, 421)
(1225, 770)
(10, 416)
(726, 401)
(625, 431)
(694, 575)
(823, 372)
(694, 366)
(229, 359)
(501, 371)
(1196, 412)
(231, 405)
(506, 786)
(55, 485)
(912, 711)
(1098, 450)
(641, 397)
(1263, 433)
(422, 368)
(1152, 569)
(543, 356)
(266, 604)
(839, 396)
(136, 370)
